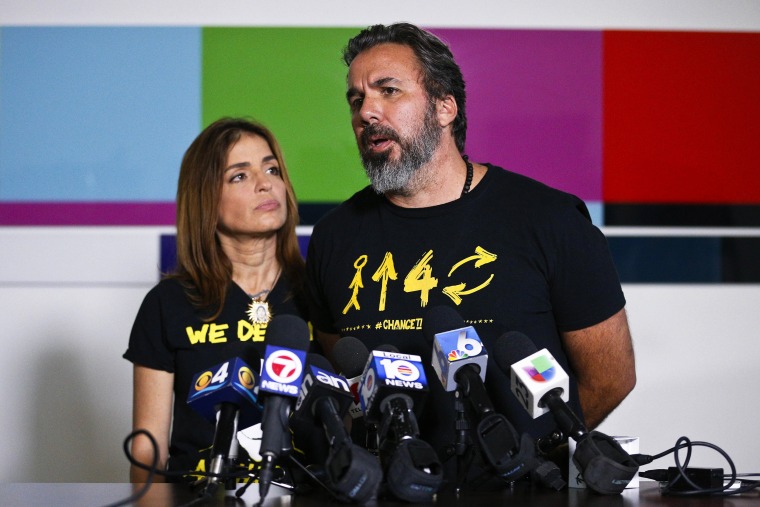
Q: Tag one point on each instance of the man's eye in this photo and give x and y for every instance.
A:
(355, 104)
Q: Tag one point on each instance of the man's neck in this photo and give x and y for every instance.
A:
(437, 182)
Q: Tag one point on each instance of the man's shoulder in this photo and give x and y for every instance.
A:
(533, 199)
(518, 182)
(353, 208)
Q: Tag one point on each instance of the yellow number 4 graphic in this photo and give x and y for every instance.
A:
(421, 279)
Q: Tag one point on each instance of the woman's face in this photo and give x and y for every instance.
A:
(254, 197)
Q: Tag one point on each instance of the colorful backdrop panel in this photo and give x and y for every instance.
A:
(534, 103)
(96, 114)
(681, 117)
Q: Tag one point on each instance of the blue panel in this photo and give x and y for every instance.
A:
(96, 114)
(667, 259)
(168, 247)
(596, 210)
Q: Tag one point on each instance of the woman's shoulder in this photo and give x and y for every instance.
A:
(169, 288)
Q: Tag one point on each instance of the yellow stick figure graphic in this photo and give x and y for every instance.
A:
(356, 284)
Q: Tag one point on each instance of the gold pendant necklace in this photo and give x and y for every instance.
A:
(259, 311)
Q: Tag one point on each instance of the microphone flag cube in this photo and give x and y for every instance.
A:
(323, 383)
(232, 381)
(391, 372)
(282, 371)
(453, 349)
(533, 377)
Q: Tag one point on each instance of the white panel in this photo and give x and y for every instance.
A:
(697, 350)
(79, 255)
(585, 14)
(66, 401)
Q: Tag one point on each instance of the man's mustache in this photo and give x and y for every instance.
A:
(376, 130)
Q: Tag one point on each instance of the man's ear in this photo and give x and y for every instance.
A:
(446, 110)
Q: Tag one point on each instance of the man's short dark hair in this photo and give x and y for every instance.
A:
(441, 74)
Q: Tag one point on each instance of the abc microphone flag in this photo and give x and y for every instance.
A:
(232, 381)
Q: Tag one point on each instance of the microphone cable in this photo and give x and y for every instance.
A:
(677, 481)
(152, 469)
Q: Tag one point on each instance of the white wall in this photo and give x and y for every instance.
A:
(68, 295)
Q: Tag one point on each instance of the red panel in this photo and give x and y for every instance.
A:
(681, 117)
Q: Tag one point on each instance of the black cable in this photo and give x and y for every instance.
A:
(663, 476)
(151, 470)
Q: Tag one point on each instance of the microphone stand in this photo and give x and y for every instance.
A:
(463, 441)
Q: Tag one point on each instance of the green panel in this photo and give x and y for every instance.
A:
(294, 81)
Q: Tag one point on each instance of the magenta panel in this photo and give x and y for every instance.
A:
(534, 103)
(87, 213)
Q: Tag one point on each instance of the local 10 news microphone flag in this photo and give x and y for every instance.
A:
(225, 394)
(393, 388)
(541, 385)
(287, 339)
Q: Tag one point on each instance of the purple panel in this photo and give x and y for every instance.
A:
(87, 213)
(534, 103)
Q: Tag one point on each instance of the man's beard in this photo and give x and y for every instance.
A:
(396, 176)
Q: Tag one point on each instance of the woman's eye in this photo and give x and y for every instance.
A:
(274, 170)
(237, 177)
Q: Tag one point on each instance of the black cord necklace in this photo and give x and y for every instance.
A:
(468, 179)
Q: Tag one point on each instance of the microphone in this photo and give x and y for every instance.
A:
(353, 473)
(393, 387)
(460, 360)
(541, 385)
(288, 339)
(225, 395)
(351, 357)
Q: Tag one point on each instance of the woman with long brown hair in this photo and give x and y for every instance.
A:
(238, 265)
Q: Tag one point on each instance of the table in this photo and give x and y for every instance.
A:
(167, 495)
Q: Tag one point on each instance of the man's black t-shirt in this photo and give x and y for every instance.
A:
(511, 255)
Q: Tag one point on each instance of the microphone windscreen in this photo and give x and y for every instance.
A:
(387, 347)
(510, 348)
(351, 356)
(251, 357)
(320, 362)
(440, 319)
(288, 331)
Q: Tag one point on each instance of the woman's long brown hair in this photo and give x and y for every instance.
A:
(202, 266)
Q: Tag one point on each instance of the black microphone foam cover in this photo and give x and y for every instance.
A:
(510, 348)
(288, 331)
(439, 319)
(320, 362)
(251, 357)
(350, 355)
(387, 347)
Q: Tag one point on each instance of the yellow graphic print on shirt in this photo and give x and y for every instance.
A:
(419, 278)
(356, 284)
(216, 333)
